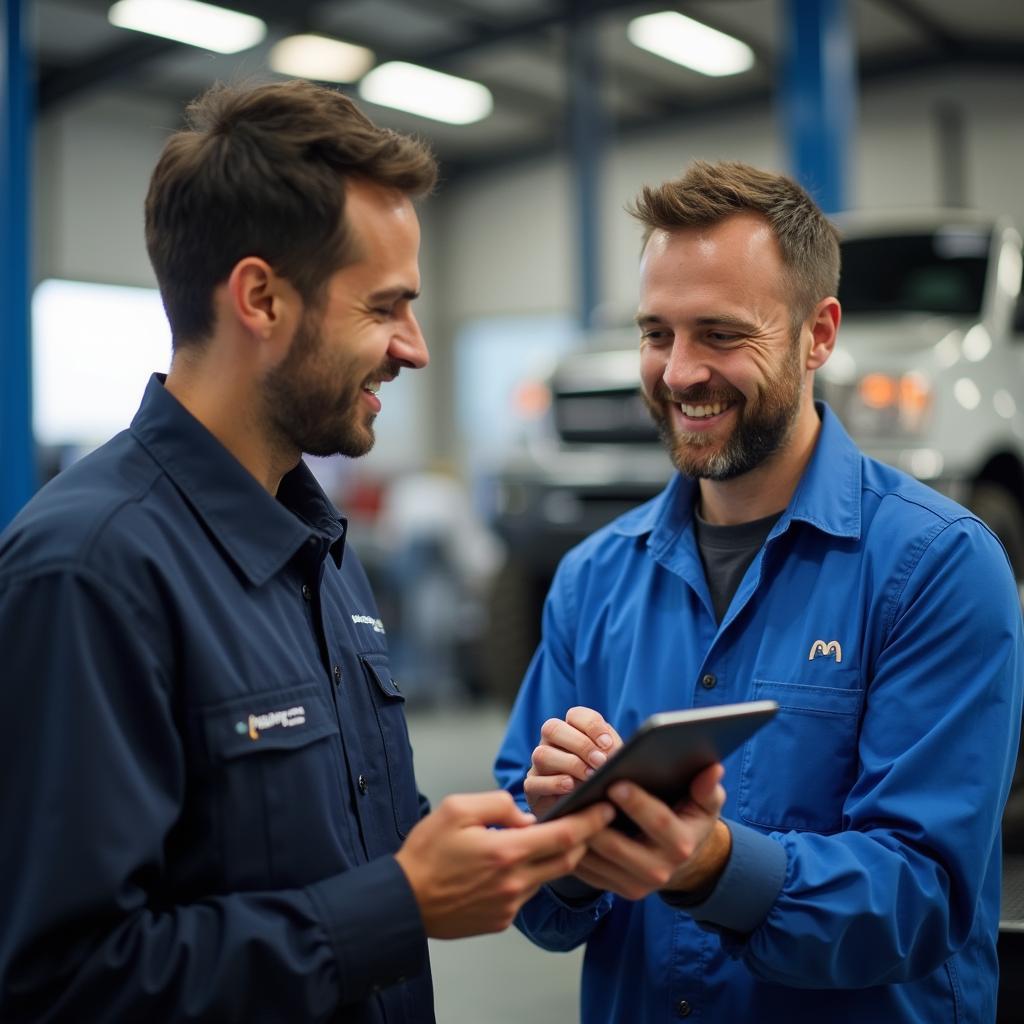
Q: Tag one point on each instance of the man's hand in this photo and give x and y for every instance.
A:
(469, 879)
(569, 751)
(684, 849)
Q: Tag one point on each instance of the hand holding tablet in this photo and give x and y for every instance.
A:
(665, 753)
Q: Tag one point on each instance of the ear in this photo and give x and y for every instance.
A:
(823, 323)
(262, 301)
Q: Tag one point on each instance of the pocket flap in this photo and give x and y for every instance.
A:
(380, 673)
(810, 699)
(273, 720)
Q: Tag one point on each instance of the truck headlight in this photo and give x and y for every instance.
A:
(880, 404)
(889, 402)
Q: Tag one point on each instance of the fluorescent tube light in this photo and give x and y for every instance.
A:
(427, 93)
(685, 41)
(320, 58)
(191, 22)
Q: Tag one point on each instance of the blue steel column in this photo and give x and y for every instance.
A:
(17, 469)
(586, 142)
(818, 97)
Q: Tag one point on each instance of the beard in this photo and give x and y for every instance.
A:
(302, 408)
(763, 426)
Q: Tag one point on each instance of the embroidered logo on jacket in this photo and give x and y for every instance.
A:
(271, 720)
(820, 649)
(369, 620)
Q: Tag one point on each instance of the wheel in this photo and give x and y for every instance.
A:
(513, 629)
(1000, 510)
(997, 507)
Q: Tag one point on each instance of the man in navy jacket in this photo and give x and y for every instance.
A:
(209, 807)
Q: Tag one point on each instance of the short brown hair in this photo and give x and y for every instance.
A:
(707, 193)
(261, 172)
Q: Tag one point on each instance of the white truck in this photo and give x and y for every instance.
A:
(929, 370)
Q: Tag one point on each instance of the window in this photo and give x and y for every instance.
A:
(93, 349)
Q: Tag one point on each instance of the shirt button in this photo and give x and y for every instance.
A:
(337, 675)
(361, 783)
(684, 1009)
(307, 594)
(708, 681)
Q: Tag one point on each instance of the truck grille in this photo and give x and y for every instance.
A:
(619, 416)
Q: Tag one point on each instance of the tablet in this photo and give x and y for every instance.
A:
(666, 752)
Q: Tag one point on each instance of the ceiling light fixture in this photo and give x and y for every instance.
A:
(191, 22)
(684, 41)
(320, 58)
(427, 93)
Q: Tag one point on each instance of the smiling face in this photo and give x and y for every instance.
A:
(722, 365)
(322, 398)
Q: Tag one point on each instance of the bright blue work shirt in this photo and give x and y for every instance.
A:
(864, 879)
(205, 763)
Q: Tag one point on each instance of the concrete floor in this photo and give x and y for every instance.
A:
(493, 979)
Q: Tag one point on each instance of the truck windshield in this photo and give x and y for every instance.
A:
(928, 272)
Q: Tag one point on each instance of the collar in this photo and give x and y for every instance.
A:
(827, 496)
(259, 533)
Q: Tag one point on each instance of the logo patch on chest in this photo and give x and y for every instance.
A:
(823, 649)
(369, 620)
(286, 719)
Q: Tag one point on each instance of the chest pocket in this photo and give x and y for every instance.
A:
(389, 707)
(797, 770)
(275, 784)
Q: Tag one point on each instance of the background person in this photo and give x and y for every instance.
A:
(855, 873)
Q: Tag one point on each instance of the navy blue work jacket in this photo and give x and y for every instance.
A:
(205, 763)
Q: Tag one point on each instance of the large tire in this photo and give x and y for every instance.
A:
(513, 629)
(997, 507)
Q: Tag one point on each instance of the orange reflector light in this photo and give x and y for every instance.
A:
(531, 399)
(878, 391)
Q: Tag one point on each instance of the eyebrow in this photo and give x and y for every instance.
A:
(719, 319)
(394, 294)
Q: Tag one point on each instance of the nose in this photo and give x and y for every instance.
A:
(685, 366)
(408, 346)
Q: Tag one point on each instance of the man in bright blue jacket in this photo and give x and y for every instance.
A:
(855, 872)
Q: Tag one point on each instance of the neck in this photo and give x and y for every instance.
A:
(227, 402)
(766, 489)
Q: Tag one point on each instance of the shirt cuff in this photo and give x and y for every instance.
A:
(374, 924)
(573, 894)
(748, 886)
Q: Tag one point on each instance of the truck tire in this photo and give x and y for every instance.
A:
(997, 507)
(513, 629)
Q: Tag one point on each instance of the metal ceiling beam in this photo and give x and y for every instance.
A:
(890, 68)
(933, 30)
(507, 32)
(120, 61)
(57, 84)
(60, 84)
